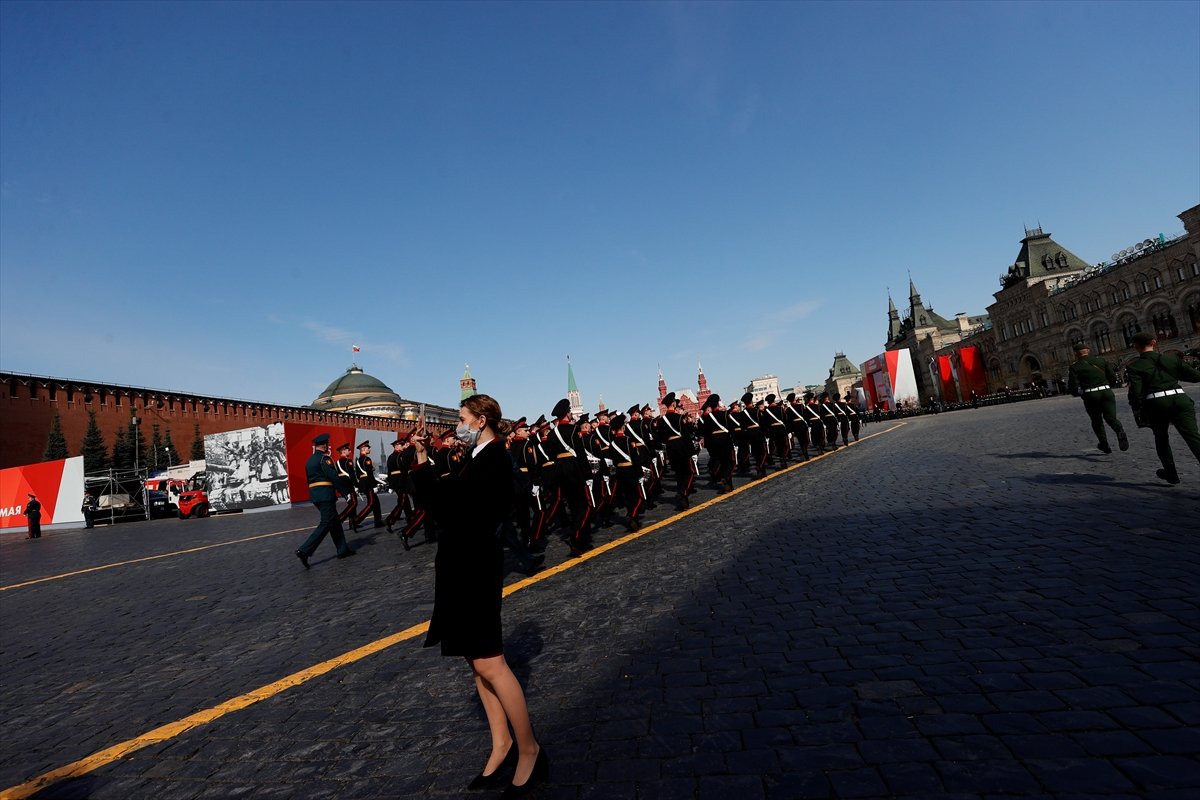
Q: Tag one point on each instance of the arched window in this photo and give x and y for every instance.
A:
(1193, 310)
(1103, 342)
(1163, 323)
(1128, 328)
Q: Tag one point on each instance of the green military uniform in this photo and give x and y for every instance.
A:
(1092, 378)
(322, 478)
(1158, 401)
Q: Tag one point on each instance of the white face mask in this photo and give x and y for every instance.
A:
(466, 434)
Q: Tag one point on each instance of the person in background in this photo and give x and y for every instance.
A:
(89, 509)
(33, 515)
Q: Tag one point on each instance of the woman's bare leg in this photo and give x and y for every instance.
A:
(497, 724)
(494, 677)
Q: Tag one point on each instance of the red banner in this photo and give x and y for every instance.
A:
(58, 486)
(297, 441)
(971, 375)
(946, 376)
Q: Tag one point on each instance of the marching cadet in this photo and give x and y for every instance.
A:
(516, 526)
(570, 476)
(753, 438)
(546, 493)
(717, 433)
(519, 452)
(773, 418)
(631, 480)
(816, 422)
(1092, 378)
(830, 419)
(797, 424)
(677, 438)
(364, 471)
(853, 415)
(637, 427)
(321, 480)
(591, 465)
(599, 445)
(843, 417)
(344, 467)
(399, 466)
(396, 474)
(1158, 401)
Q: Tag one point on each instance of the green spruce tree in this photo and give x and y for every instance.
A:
(56, 443)
(197, 444)
(95, 454)
(122, 453)
(173, 459)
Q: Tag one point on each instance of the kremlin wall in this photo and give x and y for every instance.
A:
(28, 404)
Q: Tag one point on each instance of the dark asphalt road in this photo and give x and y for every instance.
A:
(972, 605)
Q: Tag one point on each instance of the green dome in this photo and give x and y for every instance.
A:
(356, 392)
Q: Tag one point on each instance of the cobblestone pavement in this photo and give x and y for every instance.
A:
(972, 605)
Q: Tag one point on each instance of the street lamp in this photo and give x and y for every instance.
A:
(134, 423)
(167, 450)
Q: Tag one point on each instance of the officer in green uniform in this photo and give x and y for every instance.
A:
(1092, 378)
(1158, 401)
(321, 479)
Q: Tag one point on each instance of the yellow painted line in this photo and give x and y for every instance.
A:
(169, 731)
(146, 558)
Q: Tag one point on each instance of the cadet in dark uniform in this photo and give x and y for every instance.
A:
(816, 422)
(321, 479)
(545, 491)
(1092, 378)
(797, 424)
(852, 412)
(829, 417)
(397, 480)
(570, 476)
(344, 467)
(774, 420)
(753, 439)
(1158, 401)
(364, 471)
(717, 433)
(631, 480)
(677, 439)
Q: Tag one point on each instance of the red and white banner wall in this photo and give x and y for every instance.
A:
(58, 486)
(889, 380)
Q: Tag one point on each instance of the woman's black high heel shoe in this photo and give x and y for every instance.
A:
(500, 776)
(541, 771)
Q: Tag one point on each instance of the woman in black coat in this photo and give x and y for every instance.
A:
(470, 505)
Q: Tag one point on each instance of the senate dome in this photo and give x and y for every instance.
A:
(356, 392)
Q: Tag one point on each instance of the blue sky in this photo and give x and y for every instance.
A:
(223, 198)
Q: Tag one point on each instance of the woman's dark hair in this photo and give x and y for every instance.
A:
(482, 405)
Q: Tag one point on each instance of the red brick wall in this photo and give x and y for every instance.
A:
(28, 404)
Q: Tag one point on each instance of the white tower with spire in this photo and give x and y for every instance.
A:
(573, 391)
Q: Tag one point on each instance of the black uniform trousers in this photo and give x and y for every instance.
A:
(1163, 412)
(1101, 408)
(328, 525)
